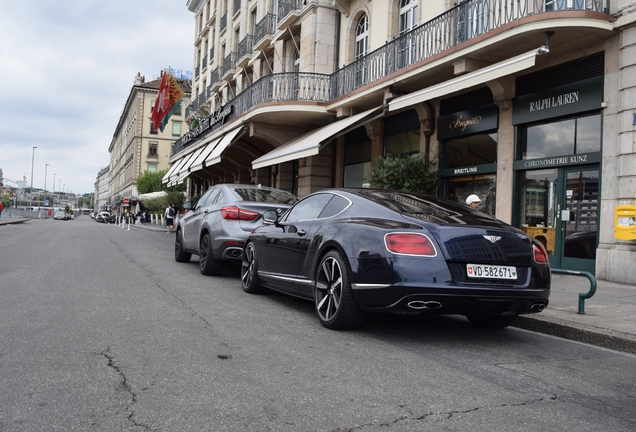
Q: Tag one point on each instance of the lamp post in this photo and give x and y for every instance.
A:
(54, 190)
(46, 166)
(32, 160)
(59, 188)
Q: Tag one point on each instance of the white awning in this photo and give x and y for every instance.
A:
(481, 76)
(171, 171)
(228, 139)
(194, 155)
(197, 164)
(309, 143)
(177, 168)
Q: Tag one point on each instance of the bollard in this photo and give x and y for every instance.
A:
(582, 296)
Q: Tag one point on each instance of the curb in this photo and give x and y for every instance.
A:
(578, 332)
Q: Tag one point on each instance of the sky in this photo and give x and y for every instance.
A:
(67, 68)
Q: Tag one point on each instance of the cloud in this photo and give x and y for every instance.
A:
(68, 68)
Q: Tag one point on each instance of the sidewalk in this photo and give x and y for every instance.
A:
(609, 320)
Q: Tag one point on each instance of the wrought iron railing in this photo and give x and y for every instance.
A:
(214, 77)
(286, 6)
(461, 23)
(244, 47)
(265, 27)
(229, 63)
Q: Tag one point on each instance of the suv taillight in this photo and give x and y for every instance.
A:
(540, 255)
(235, 213)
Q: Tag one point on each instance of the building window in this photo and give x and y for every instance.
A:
(564, 137)
(152, 168)
(408, 21)
(152, 129)
(176, 128)
(357, 158)
(152, 148)
(362, 44)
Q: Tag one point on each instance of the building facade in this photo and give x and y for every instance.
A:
(528, 103)
(136, 146)
(102, 190)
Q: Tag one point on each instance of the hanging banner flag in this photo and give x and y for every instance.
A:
(170, 94)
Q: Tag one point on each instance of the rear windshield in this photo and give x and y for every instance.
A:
(429, 208)
(265, 195)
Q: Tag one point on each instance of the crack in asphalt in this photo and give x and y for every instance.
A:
(445, 415)
(126, 386)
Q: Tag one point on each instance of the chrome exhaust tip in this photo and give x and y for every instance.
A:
(537, 307)
(429, 305)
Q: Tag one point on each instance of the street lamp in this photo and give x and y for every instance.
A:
(32, 160)
(46, 166)
(54, 189)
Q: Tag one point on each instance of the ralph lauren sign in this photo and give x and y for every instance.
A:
(576, 97)
(467, 122)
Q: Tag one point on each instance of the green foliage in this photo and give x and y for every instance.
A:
(405, 173)
(6, 202)
(161, 203)
(150, 182)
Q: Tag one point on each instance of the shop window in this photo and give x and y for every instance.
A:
(563, 137)
(357, 158)
(471, 150)
(539, 198)
(484, 186)
(402, 143)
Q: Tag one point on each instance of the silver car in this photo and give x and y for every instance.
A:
(218, 224)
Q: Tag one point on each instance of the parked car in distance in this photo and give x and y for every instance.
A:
(356, 251)
(218, 224)
(59, 215)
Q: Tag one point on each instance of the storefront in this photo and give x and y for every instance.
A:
(468, 155)
(558, 163)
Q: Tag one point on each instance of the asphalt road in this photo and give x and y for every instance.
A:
(101, 330)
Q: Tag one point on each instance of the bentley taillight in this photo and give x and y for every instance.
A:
(410, 244)
(540, 255)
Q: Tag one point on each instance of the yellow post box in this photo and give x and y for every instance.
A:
(625, 222)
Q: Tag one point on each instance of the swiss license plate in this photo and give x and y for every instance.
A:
(491, 271)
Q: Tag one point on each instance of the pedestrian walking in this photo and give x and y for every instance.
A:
(176, 217)
(169, 217)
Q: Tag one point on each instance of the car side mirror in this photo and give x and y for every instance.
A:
(270, 217)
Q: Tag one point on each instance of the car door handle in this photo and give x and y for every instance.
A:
(301, 233)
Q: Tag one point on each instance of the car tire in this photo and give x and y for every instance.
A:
(207, 264)
(249, 271)
(179, 254)
(334, 302)
(491, 321)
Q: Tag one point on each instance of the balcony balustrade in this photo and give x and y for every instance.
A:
(265, 27)
(285, 8)
(229, 64)
(244, 49)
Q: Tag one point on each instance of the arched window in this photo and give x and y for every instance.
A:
(361, 47)
(408, 21)
(362, 37)
(408, 15)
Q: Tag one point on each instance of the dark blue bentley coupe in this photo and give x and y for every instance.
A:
(359, 251)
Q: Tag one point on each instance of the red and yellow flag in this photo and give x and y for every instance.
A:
(170, 94)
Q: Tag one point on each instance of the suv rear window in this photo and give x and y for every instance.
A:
(265, 195)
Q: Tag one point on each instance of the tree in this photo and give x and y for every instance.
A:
(150, 182)
(405, 173)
